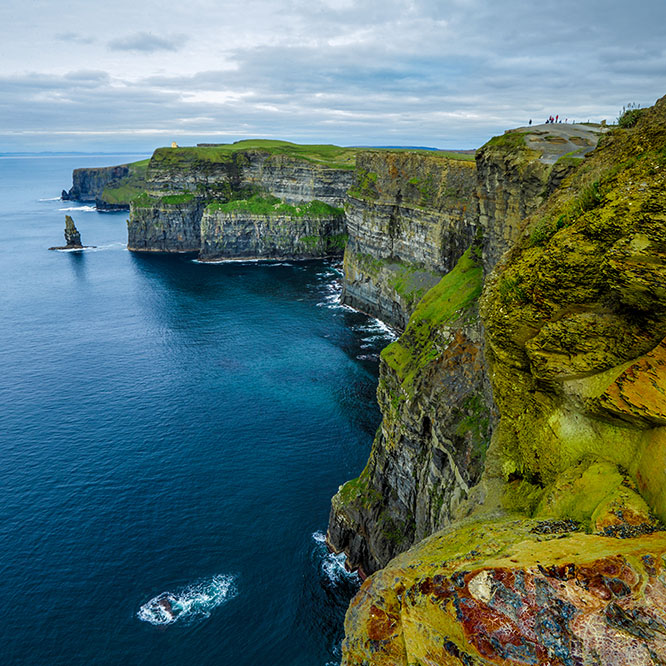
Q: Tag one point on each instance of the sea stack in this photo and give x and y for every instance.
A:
(72, 236)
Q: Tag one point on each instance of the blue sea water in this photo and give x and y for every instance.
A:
(171, 434)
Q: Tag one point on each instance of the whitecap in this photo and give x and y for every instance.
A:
(81, 209)
(332, 566)
(194, 602)
(51, 199)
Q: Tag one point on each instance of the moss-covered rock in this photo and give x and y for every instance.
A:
(436, 427)
(514, 592)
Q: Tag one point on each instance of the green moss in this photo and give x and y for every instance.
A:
(359, 491)
(444, 304)
(145, 200)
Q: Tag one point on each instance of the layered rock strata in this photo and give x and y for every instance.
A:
(517, 172)
(575, 322)
(437, 418)
(410, 216)
(182, 183)
(165, 224)
(240, 234)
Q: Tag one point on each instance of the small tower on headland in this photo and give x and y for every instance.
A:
(174, 144)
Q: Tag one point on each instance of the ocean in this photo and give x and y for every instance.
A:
(171, 434)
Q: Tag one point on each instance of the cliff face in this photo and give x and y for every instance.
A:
(277, 235)
(435, 430)
(410, 217)
(575, 321)
(218, 174)
(88, 184)
(199, 179)
(111, 188)
(517, 172)
(165, 224)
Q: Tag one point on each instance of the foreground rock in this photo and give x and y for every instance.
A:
(514, 592)
(72, 237)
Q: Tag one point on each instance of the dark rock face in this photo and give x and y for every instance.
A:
(290, 179)
(410, 217)
(88, 184)
(159, 226)
(72, 235)
(244, 235)
(437, 419)
(155, 224)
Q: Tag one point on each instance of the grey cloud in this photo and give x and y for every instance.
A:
(74, 38)
(146, 42)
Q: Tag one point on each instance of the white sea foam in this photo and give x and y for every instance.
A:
(80, 209)
(332, 565)
(194, 602)
(51, 199)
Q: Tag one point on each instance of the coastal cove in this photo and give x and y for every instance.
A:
(170, 426)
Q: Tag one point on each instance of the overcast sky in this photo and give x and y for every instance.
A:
(135, 74)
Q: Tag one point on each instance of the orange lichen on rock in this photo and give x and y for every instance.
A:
(640, 391)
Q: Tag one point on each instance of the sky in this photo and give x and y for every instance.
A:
(131, 75)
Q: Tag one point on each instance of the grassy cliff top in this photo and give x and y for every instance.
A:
(326, 155)
(269, 205)
(334, 157)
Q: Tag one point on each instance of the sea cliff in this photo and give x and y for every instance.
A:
(110, 188)
(251, 199)
(410, 217)
(552, 552)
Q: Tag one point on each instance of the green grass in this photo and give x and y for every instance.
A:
(326, 155)
(509, 140)
(268, 205)
(145, 200)
(128, 187)
(441, 154)
(442, 305)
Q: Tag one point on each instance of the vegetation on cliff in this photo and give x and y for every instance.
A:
(329, 156)
(556, 554)
(268, 205)
(120, 193)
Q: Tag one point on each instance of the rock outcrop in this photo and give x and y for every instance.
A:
(516, 173)
(271, 230)
(110, 188)
(72, 236)
(410, 217)
(555, 556)
(514, 592)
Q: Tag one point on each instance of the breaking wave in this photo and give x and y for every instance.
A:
(192, 603)
(332, 566)
(81, 209)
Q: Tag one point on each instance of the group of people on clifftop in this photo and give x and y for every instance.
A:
(553, 119)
